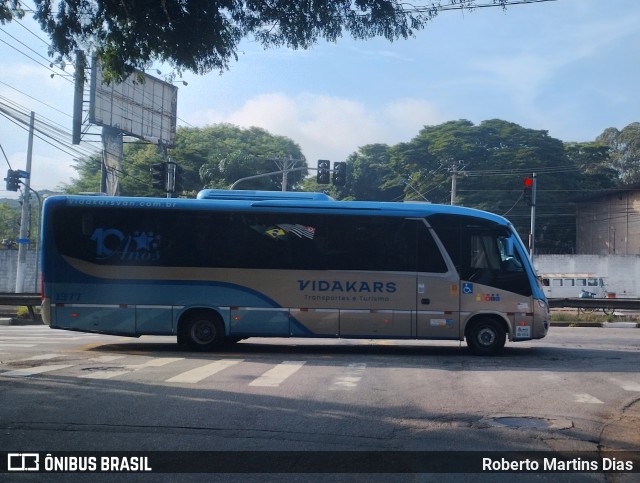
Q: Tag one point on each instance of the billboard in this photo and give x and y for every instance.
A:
(146, 110)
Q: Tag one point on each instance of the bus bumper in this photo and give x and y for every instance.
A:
(45, 311)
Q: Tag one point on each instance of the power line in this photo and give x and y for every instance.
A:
(433, 8)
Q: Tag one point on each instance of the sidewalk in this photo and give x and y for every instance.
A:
(18, 321)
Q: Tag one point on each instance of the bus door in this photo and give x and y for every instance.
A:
(437, 291)
(438, 306)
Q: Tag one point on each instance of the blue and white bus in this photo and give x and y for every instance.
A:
(234, 265)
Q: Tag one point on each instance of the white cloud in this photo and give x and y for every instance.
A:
(329, 127)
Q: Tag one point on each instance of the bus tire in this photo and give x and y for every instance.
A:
(485, 336)
(203, 331)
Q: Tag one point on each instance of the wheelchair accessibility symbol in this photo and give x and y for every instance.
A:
(467, 288)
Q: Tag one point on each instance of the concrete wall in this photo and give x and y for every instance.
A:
(9, 268)
(621, 272)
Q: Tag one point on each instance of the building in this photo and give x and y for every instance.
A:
(609, 223)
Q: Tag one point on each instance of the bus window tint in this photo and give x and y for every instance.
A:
(248, 240)
(482, 252)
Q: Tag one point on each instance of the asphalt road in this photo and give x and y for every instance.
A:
(576, 390)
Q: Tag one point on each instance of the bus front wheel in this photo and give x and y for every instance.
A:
(203, 331)
(485, 336)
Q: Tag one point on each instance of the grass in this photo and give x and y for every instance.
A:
(594, 317)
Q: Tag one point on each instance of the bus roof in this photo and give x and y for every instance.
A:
(218, 194)
(286, 204)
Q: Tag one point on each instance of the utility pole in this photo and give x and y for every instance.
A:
(454, 183)
(286, 166)
(454, 180)
(532, 234)
(285, 172)
(23, 240)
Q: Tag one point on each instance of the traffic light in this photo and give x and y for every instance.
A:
(13, 180)
(339, 173)
(324, 175)
(159, 176)
(528, 191)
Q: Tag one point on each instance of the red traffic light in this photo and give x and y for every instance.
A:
(528, 182)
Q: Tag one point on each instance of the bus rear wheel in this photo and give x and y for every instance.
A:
(485, 337)
(203, 331)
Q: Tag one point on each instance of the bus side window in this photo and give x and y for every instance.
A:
(430, 259)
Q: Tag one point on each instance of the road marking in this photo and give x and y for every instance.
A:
(34, 338)
(104, 374)
(41, 357)
(11, 345)
(35, 370)
(112, 372)
(273, 377)
(107, 358)
(202, 372)
(631, 386)
(155, 362)
(349, 379)
(587, 398)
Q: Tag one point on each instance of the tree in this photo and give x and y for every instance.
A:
(9, 225)
(203, 35)
(10, 9)
(225, 153)
(210, 157)
(492, 160)
(88, 180)
(625, 150)
(593, 161)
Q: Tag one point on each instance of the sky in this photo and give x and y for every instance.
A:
(569, 67)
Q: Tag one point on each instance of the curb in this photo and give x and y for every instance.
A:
(6, 321)
(604, 325)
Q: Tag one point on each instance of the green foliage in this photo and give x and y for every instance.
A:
(492, 160)
(9, 223)
(625, 151)
(594, 163)
(203, 35)
(10, 216)
(10, 9)
(88, 179)
(222, 154)
(211, 157)
(367, 173)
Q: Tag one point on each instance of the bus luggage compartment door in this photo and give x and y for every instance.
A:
(375, 323)
(259, 321)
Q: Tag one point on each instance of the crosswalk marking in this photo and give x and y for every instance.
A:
(104, 374)
(202, 372)
(273, 377)
(107, 358)
(39, 338)
(630, 386)
(587, 398)
(110, 373)
(41, 357)
(30, 371)
(350, 378)
(155, 362)
(14, 345)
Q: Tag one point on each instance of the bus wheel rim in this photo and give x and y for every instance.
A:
(203, 332)
(486, 336)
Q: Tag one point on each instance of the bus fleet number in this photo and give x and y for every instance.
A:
(67, 297)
